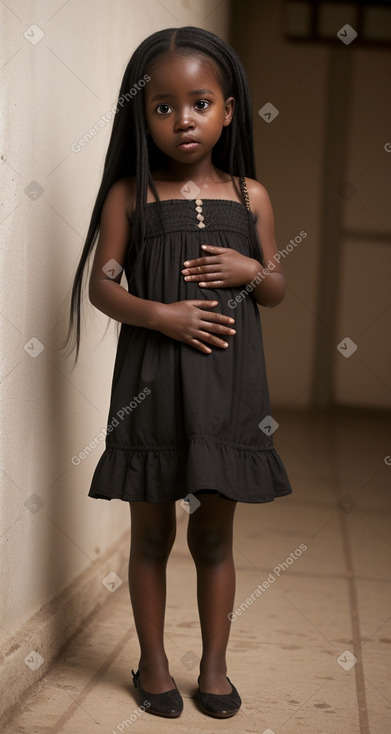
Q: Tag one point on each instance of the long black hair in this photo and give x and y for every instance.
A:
(132, 152)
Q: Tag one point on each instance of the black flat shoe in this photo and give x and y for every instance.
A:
(169, 703)
(221, 706)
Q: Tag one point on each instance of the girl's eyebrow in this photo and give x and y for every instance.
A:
(193, 92)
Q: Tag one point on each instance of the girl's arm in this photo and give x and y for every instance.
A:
(269, 288)
(105, 292)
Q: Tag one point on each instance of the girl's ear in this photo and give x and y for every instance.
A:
(229, 110)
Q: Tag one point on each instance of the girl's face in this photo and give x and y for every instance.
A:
(185, 107)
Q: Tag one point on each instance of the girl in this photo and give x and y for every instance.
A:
(179, 210)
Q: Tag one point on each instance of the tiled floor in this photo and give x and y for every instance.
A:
(291, 651)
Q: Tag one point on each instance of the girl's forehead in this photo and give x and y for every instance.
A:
(183, 70)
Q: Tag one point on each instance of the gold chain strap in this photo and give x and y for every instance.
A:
(246, 197)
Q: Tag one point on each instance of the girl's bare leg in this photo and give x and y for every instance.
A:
(209, 536)
(153, 529)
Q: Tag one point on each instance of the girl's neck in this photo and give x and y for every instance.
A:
(200, 173)
(222, 186)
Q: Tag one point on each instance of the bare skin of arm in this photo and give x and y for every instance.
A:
(225, 267)
(271, 290)
(190, 321)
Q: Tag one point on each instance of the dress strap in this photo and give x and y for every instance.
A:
(245, 195)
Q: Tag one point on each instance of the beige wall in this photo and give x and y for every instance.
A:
(53, 92)
(291, 164)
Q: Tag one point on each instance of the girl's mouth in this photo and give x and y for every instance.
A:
(189, 145)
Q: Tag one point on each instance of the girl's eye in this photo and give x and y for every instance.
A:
(203, 102)
(162, 109)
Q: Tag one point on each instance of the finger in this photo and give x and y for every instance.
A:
(204, 277)
(213, 316)
(200, 346)
(201, 261)
(217, 322)
(209, 265)
(216, 328)
(217, 318)
(212, 284)
(203, 304)
(214, 248)
(211, 339)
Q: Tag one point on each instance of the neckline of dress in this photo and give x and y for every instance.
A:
(163, 201)
(192, 201)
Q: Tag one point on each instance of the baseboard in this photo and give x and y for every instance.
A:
(53, 626)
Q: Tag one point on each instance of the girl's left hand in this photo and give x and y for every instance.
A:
(224, 268)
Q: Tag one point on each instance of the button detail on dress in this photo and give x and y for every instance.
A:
(200, 216)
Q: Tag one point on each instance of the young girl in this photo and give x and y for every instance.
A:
(180, 211)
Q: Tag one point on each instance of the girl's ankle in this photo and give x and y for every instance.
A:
(213, 668)
(154, 663)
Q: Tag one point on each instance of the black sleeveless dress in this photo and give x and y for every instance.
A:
(181, 421)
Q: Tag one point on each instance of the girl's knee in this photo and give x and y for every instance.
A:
(211, 547)
(155, 545)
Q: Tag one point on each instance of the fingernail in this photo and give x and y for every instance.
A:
(186, 263)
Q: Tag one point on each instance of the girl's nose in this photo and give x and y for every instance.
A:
(184, 121)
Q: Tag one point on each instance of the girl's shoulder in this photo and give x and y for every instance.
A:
(258, 196)
(254, 187)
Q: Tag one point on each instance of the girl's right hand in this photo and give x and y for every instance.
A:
(189, 322)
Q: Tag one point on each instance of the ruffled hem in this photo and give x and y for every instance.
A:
(167, 474)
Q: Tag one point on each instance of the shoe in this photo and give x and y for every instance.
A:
(169, 703)
(221, 706)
